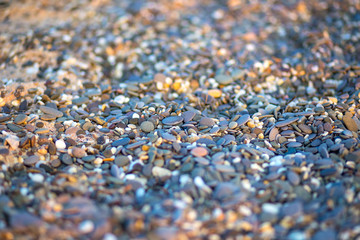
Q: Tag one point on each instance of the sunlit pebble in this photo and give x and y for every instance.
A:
(244, 210)
(36, 177)
(86, 226)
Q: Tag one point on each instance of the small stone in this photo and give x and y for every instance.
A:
(350, 123)
(172, 120)
(86, 226)
(66, 159)
(42, 130)
(243, 119)
(286, 122)
(233, 125)
(207, 121)
(122, 161)
(305, 128)
(161, 173)
(60, 144)
(20, 119)
(293, 178)
(216, 93)
(120, 142)
(51, 111)
(199, 152)
(188, 115)
(273, 133)
(13, 141)
(223, 79)
(31, 161)
(147, 126)
(78, 152)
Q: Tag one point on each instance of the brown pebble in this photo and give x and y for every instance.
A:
(199, 152)
(78, 152)
(349, 122)
(273, 133)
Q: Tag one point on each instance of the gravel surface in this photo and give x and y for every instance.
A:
(137, 119)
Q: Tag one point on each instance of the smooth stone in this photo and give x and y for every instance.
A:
(188, 115)
(78, 152)
(51, 111)
(121, 142)
(199, 152)
(223, 79)
(273, 133)
(294, 145)
(327, 234)
(66, 159)
(31, 161)
(147, 126)
(172, 120)
(286, 122)
(350, 122)
(42, 130)
(207, 121)
(121, 161)
(243, 119)
(80, 101)
(160, 172)
(293, 178)
(20, 119)
(14, 128)
(60, 144)
(305, 128)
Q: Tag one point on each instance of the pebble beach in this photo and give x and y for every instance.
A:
(173, 119)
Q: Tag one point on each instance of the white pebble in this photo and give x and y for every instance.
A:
(60, 144)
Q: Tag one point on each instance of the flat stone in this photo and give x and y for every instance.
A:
(121, 161)
(293, 178)
(199, 152)
(305, 128)
(20, 119)
(31, 161)
(42, 131)
(350, 123)
(286, 122)
(172, 120)
(51, 111)
(188, 115)
(273, 133)
(207, 121)
(223, 79)
(243, 119)
(121, 142)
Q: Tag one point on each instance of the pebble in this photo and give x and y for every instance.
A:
(286, 122)
(172, 120)
(78, 152)
(51, 111)
(20, 119)
(147, 126)
(60, 144)
(207, 121)
(223, 79)
(32, 160)
(273, 133)
(350, 122)
(243, 119)
(199, 152)
(160, 172)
